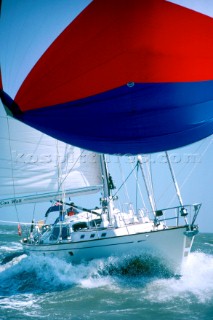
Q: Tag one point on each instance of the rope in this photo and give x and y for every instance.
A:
(125, 180)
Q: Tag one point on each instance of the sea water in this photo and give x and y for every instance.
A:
(113, 288)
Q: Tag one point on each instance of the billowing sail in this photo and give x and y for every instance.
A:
(35, 167)
(110, 76)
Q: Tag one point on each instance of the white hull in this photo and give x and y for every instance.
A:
(170, 245)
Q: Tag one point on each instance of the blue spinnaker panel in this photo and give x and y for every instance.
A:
(121, 77)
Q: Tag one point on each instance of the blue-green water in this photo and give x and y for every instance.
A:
(45, 288)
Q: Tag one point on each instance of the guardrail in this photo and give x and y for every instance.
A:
(187, 212)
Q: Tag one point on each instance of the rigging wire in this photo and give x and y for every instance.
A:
(186, 164)
(193, 168)
(205, 150)
(140, 191)
(149, 194)
(136, 195)
(150, 180)
(13, 184)
(174, 179)
(209, 140)
(125, 180)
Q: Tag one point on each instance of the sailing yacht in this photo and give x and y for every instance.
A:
(81, 234)
(112, 90)
(84, 237)
(38, 168)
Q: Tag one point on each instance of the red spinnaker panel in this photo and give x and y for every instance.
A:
(112, 43)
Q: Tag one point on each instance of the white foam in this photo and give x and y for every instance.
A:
(196, 281)
(85, 275)
(13, 262)
(50, 272)
(14, 246)
(208, 244)
(4, 232)
(26, 304)
(91, 283)
(13, 303)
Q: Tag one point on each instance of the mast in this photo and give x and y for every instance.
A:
(150, 196)
(174, 179)
(104, 172)
(107, 201)
(183, 210)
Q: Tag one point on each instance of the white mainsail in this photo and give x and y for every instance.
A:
(35, 167)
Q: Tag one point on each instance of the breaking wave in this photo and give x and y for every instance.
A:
(28, 274)
(195, 284)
